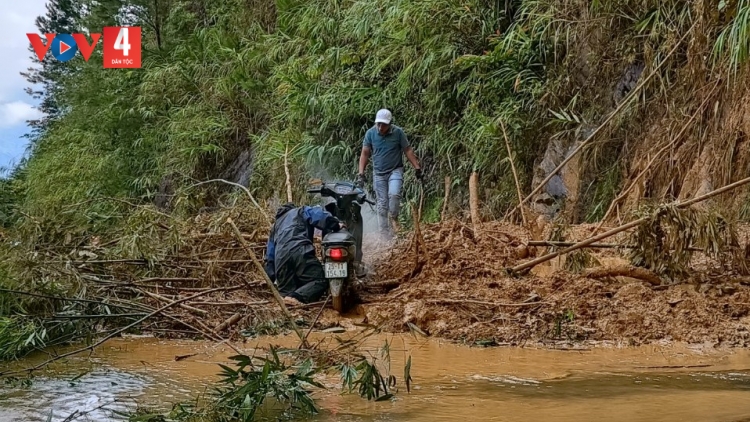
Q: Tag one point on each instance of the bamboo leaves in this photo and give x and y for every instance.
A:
(665, 242)
(733, 43)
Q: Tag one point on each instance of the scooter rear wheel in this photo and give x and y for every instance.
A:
(338, 303)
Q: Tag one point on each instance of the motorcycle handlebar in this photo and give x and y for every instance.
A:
(329, 192)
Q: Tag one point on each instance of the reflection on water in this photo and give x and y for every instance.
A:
(627, 397)
(97, 394)
(451, 383)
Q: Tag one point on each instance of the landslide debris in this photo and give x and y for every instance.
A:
(460, 290)
(455, 286)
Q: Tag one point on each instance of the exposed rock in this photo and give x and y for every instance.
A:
(240, 169)
(163, 196)
(563, 186)
(628, 82)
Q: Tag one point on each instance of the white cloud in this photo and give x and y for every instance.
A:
(17, 112)
(16, 20)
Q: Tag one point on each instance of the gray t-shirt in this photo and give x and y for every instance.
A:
(386, 150)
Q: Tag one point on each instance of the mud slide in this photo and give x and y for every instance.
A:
(460, 289)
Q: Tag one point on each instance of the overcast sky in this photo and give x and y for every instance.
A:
(16, 19)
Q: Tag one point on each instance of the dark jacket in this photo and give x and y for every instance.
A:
(292, 234)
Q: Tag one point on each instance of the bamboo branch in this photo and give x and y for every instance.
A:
(288, 178)
(228, 323)
(632, 95)
(415, 220)
(164, 299)
(301, 343)
(114, 333)
(445, 199)
(624, 227)
(247, 191)
(593, 245)
(515, 175)
(474, 202)
(417, 227)
(208, 334)
(634, 182)
(67, 299)
(480, 302)
(625, 271)
(262, 271)
(168, 279)
(100, 316)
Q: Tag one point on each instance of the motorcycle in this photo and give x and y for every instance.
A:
(342, 250)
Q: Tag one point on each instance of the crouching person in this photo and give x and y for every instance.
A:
(291, 262)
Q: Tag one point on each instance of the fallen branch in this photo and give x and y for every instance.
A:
(578, 245)
(479, 302)
(234, 319)
(247, 191)
(634, 182)
(418, 240)
(69, 299)
(624, 227)
(387, 284)
(164, 299)
(288, 177)
(301, 343)
(262, 271)
(673, 366)
(100, 316)
(208, 334)
(111, 335)
(168, 279)
(553, 243)
(183, 357)
(624, 271)
(593, 245)
(100, 261)
(260, 302)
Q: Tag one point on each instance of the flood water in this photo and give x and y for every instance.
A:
(451, 383)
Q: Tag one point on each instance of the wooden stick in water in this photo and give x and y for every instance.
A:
(262, 271)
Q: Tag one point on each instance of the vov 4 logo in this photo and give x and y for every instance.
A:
(122, 46)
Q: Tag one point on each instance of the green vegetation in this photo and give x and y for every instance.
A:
(228, 88)
(280, 383)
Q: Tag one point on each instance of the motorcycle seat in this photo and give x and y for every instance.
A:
(342, 237)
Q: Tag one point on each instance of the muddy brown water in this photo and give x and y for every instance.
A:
(451, 382)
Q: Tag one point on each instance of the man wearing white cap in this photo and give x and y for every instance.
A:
(386, 143)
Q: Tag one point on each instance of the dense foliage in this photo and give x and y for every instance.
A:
(228, 88)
